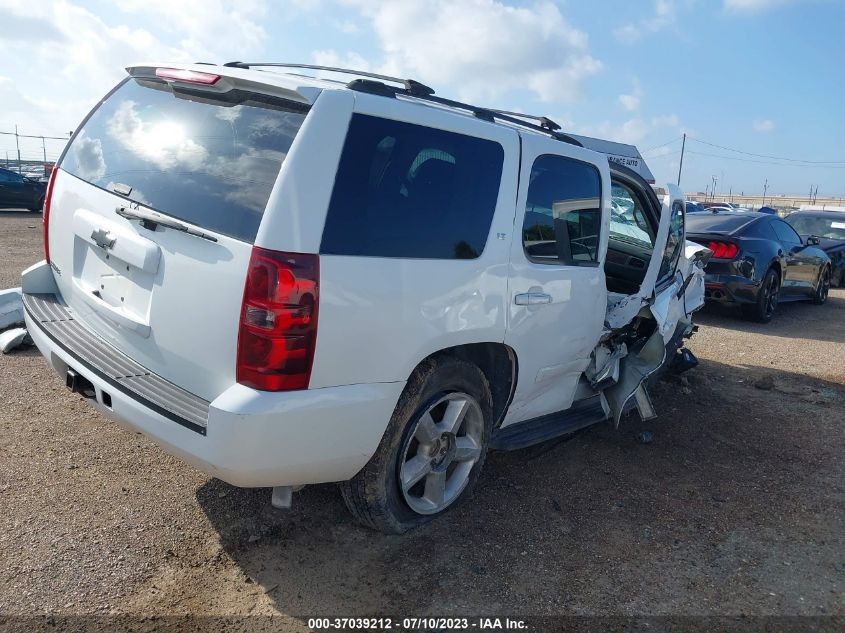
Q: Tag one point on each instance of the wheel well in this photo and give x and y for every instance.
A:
(777, 268)
(498, 363)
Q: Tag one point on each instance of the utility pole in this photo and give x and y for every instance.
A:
(681, 166)
(815, 194)
(713, 181)
(18, 145)
(765, 189)
(731, 193)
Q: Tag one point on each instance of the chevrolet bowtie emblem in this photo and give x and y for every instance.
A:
(103, 238)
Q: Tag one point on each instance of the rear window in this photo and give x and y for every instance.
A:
(207, 159)
(409, 191)
(710, 222)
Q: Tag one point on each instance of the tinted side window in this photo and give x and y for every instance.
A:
(785, 233)
(9, 176)
(562, 212)
(763, 228)
(404, 190)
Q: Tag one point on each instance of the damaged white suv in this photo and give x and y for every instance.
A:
(287, 280)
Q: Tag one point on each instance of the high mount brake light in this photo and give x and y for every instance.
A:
(187, 76)
(45, 218)
(723, 250)
(278, 327)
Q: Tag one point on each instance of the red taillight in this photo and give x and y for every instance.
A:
(723, 250)
(278, 329)
(188, 76)
(45, 218)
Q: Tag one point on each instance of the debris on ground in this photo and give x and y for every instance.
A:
(645, 437)
(11, 307)
(10, 339)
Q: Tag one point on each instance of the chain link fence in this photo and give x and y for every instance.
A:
(31, 155)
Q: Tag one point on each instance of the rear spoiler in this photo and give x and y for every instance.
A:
(621, 153)
(220, 80)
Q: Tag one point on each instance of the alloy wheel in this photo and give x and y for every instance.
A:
(770, 295)
(439, 455)
(824, 286)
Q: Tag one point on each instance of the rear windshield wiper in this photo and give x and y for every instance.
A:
(151, 219)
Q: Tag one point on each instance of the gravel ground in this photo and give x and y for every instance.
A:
(736, 507)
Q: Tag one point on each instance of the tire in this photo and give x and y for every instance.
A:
(439, 387)
(823, 287)
(763, 309)
(39, 208)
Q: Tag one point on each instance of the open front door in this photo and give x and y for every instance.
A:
(662, 298)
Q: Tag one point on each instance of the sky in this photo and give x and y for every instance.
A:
(757, 85)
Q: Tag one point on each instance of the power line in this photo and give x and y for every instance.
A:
(764, 162)
(53, 138)
(674, 140)
(656, 156)
(781, 158)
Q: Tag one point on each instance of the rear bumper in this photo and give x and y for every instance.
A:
(730, 289)
(250, 438)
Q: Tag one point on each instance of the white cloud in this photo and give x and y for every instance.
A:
(82, 60)
(665, 15)
(82, 55)
(632, 100)
(482, 47)
(202, 24)
(763, 125)
(331, 57)
(633, 131)
(751, 6)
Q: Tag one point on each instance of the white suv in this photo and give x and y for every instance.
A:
(287, 280)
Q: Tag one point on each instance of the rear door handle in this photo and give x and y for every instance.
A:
(532, 298)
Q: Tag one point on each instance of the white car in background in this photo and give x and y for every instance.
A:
(287, 280)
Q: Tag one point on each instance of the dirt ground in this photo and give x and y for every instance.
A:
(735, 507)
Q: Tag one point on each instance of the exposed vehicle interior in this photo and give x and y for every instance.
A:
(633, 229)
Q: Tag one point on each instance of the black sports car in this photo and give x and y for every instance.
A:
(20, 192)
(758, 260)
(829, 227)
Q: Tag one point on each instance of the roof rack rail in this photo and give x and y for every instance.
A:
(515, 119)
(412, 86)
(546, 125)
(545, 122)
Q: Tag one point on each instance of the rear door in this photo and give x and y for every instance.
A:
(204, 156)
(557, 294)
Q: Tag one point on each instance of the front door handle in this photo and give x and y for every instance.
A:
(532, 298)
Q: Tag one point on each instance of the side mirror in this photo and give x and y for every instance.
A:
(813, 240)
